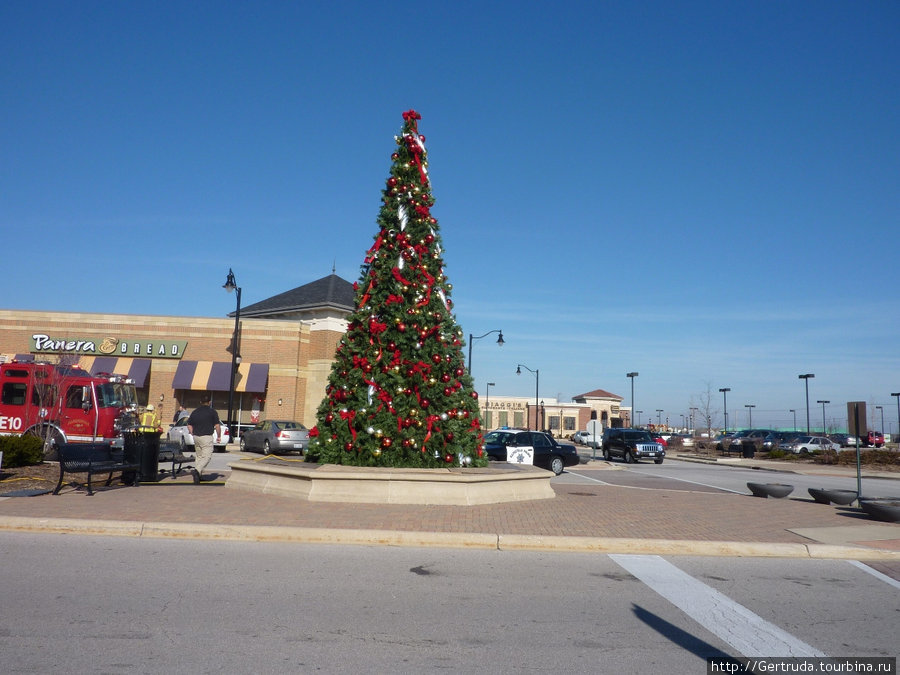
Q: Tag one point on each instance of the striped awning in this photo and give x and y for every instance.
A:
(136, 369)
(216, 376)
(21, 358)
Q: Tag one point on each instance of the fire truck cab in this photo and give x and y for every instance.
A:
(64, 404)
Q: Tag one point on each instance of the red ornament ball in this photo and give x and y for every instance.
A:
(448, 391)
(448, 458)
(475, 394)
(329, 417)
(386, 442)
(348, 446)
(429, 238)
(459, 372)
(392, 181)
(449, 436)
(401, 327)
(436, 358)
(445, 377)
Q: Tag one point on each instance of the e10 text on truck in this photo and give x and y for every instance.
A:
(64, 404)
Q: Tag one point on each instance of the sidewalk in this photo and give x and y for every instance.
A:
(658, 515)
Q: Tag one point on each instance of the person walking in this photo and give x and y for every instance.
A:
(202, 424)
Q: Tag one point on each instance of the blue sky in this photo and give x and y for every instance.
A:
(706, 193)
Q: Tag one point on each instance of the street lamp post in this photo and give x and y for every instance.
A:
(487, 401)
(693, 414)
(795, 418)
(231, 285)
(725, 391)
(537, 381)
(631, 376)
(638, 413)
(896, 394)
(823, 414)
(472, 339)
(805, 378)
(750, 407)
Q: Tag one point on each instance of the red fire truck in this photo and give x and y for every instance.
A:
(64, 404)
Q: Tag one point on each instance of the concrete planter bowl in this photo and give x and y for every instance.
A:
(774, 490)
(839, 497)
(887, 510)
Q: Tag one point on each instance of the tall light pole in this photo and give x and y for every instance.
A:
(537, 381)
(823, 414)
(632, 376)
(693, 413)
(805, 378)
(472, 339)
(750, 407)
(795, 419)
(487, 400)
(659, 412)
(878, 407)
(639, 412)
(725, 391)
(897, 396)
(231, 285)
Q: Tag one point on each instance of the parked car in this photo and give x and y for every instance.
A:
(778, 439)
(806, 444)
(581, 437)
(659, 439)
(549, 454)
(631, 445)
(275, 437)
(178, 433)
(875, 439)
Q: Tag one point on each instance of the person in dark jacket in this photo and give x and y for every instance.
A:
(204, 426)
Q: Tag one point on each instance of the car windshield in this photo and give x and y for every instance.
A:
(638, 436)
(499, 437)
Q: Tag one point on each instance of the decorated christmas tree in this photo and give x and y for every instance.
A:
(399, 393)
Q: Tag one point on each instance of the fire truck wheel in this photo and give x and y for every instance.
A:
(51, 438)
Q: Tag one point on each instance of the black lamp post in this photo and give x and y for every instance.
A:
(823, 414)
(487, 400)
(896, 394)
(749, 407)
(537, 381)
(795, 419)
(472, 339)
(725, 391)
(805, 378)
(231, 285)
(631, 376)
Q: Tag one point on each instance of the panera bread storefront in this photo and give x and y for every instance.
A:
(283, 362)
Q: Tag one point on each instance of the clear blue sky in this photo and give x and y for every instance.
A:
(703, 192)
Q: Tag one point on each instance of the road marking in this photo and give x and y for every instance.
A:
(875, 573)
(746, 632)
(685, 480)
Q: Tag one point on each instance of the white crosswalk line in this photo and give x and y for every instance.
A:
(746, 632)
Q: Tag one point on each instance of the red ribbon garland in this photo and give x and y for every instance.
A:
(349, 415)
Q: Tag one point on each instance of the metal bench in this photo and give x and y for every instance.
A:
(171, 452)
(92, 459)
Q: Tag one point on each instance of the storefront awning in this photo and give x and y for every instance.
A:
(216, 376)
(136, 369)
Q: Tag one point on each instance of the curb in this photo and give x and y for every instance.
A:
(501, 542)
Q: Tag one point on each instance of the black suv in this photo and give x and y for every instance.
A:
(631, 445)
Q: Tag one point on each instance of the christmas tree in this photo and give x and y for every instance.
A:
(399, 393)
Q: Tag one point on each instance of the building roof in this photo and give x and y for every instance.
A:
(329, 292)
(597, 393)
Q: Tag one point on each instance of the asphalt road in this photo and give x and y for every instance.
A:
(119, 605)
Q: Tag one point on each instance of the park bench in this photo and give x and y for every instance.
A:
(93, 459)
(171, 452)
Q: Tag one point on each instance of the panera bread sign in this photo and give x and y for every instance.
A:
(108, 346)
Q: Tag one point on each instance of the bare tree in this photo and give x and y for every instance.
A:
(703, 402)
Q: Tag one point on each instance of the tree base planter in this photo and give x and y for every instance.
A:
(385, 485)
(840, 497)
(774, 490)
(887, 510)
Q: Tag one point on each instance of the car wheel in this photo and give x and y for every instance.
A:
(629, 458)
(657, 461)
(606, 455)
(557, 465)
(267, 450)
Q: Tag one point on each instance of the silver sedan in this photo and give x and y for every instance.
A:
(275, 437)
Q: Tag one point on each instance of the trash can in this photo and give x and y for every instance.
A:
(142, 447)
(748, 450)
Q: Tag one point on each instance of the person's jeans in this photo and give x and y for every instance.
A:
(203, 450)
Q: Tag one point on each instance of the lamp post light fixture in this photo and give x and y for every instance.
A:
(806, 377)
(537, 382)
(878, 407)
(823, 414)
(725, 391)
(749, 407)
(631, 376)
(231, 285)
(472, 339)
(795, 418)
